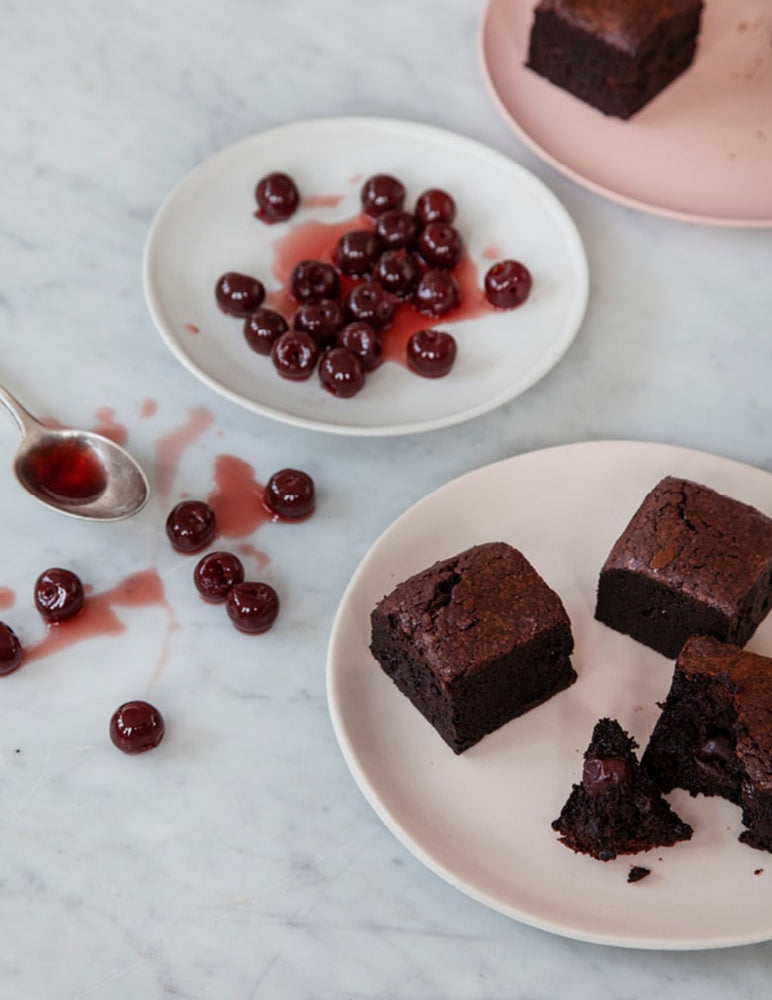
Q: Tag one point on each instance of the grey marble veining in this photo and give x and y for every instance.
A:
(240, 860)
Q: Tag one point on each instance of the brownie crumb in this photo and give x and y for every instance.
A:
(758, 871)
(637, 872)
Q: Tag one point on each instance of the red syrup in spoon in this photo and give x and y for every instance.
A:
(66, 470)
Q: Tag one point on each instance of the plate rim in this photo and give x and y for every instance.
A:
(573, 320)
(638, 204)
(367, 789)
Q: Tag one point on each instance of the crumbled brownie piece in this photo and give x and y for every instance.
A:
(690, 561)
(637, 872)
(474, 641)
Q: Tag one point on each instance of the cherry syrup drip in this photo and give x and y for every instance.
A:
(67, 470)
(98, 617)
(7, 598)
(238, 500)
(170, 446)
(108, 427)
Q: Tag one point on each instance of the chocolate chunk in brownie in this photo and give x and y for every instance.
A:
(474, 641)
(690, 561)
(616, 808)
(714, 735)
(614, 54)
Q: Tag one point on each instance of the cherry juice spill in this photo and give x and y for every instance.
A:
(66, 470)
(237, 500)
(170, 446)
(7, 598)
(322, 201)
(261, 559)
(108, 427)
(148, 408)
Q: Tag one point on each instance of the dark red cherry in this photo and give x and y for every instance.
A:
(602, 773)
(11, 653)
(363, 341)
(252, 607)
(215, 574)
(238, 294)
(320, 319)
(381, 193)
(262, 327)
(396, 229)
(341, 372)
(136, 726)
(431, 353)
(507, 284)
(440, 245)
(190, 525)
(290, 494)
(437, 293)
(369, 303)
(397, 272)
(58, 595)
(294, 355)
(313, 279)
(356, 252)
(277, 198)
(435, 205)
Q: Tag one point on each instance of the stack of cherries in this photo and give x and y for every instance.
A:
(345, 307)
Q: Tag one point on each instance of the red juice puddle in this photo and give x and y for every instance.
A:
(492, 252)
(237, 500)
(170, 446)
(322, 201)
(148, 408)
(355, 178)
(7, 598)
(407, 319)
(310, 240)
(108, 427)
(261, 559)
(191, 328)
(142, 589)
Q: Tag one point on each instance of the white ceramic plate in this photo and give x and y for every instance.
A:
(482, 820)
(206, 227)
(700, 151)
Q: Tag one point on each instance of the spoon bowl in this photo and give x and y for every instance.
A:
(78, 473)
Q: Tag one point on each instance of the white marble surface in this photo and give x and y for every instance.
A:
(239, 860)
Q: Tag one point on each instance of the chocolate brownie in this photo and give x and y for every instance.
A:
(474, 641)
(614, 54)
(690, 561)
(714, 736)
(616, 808)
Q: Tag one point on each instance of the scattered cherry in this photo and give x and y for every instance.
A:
(58, 595)
(313, 279)
(215, 574)
(396, 229)
(277, 198)
(440, 245)
(320, 319)
(431, 353)
(397, 272)
(136, 726)
(262, 327)
(507, 284)
(382, 193)
(238, 294)
(364, 341)
(341, 372)
(290, 494)
(356, 252)
(190, 525)
(11, 653)
(435, 205)
(294, 355)
(369, 303)
(252, 607)
(437, 293)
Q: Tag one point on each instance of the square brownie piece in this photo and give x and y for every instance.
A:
(474, 641)
(614, 54)
(690, 561)
(714, 735)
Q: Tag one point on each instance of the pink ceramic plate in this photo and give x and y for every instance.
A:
(701, 151)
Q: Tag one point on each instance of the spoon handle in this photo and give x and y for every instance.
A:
(26, 422)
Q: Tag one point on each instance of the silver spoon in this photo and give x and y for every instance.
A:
(76, 472)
